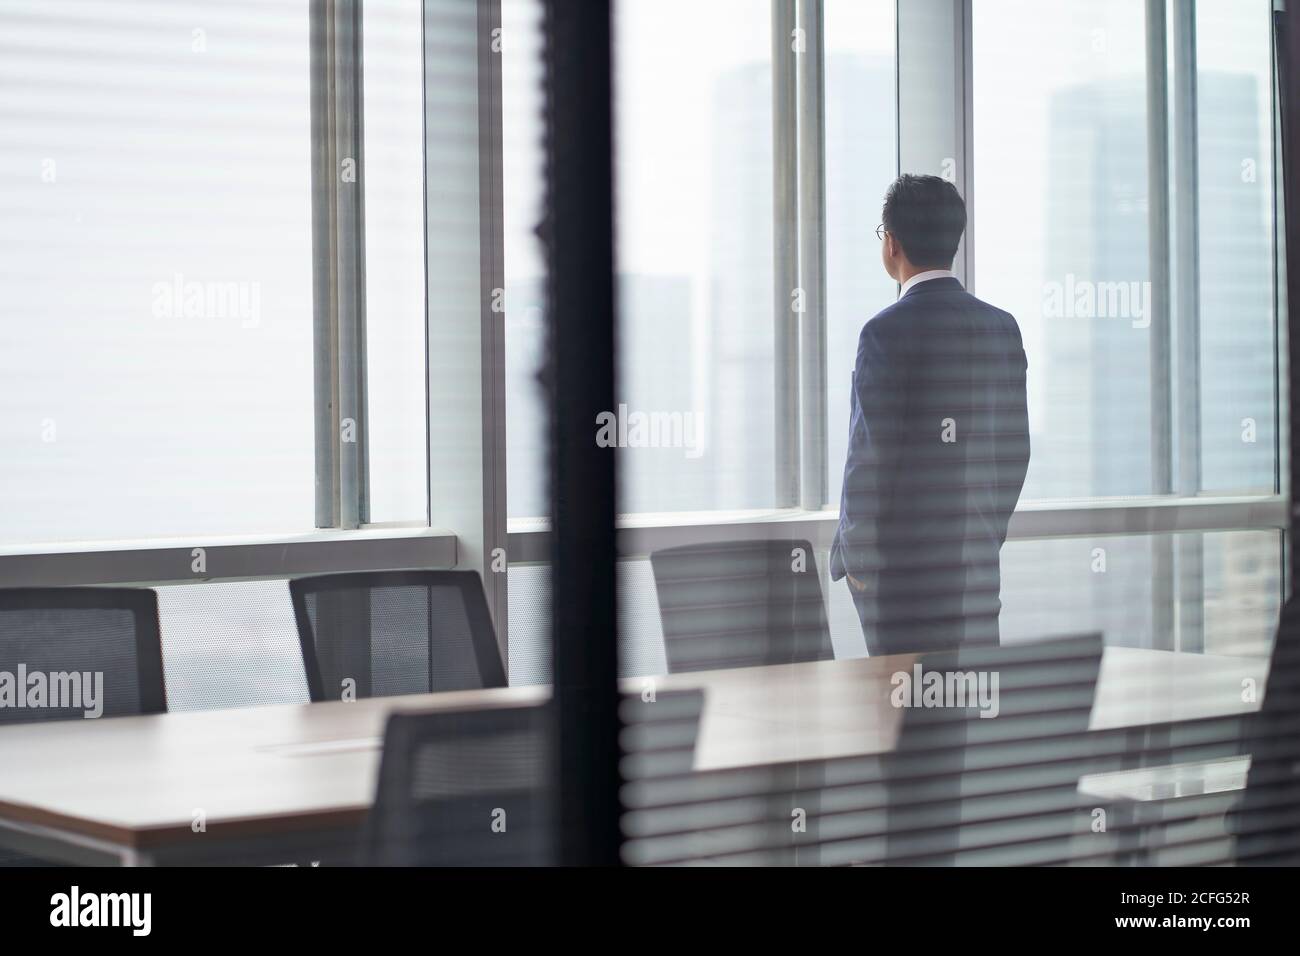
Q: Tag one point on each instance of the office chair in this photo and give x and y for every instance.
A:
(462, 788)
(471, 787)
(961, 788)
(377, 634)
(108, 631)
(740, 604)
(111, 632)
(1265, 818)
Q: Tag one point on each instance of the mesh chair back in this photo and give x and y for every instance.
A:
(462, 788)
(395, 632)
(70, 651)
(740, 604)
(991, 732)
(470, 788)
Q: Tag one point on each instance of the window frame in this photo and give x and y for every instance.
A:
(466, 521)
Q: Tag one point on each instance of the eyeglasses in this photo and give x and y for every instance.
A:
(880, 232)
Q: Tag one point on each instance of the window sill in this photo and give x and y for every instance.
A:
(193, 560)
(641, 534)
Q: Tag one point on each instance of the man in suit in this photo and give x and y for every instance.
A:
(938, 440)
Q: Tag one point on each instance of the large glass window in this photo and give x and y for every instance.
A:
(1238, 342)
(393, 176)
(1060, 172)
(155, 222)
(1071, 149)
(861, 161)
(523, 187)
(693, 173)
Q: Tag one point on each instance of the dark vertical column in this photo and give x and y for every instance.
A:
(1287, 70)
(1267, 824)
(579, 237)
(492, 346)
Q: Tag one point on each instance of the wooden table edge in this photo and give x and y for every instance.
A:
(173, 834)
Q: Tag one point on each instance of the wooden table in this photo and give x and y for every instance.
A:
(294, 782)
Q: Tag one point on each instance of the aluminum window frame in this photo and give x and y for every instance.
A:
(935, 134)
(464, 528)
(936, 124)
(343, 539)
(339, 263)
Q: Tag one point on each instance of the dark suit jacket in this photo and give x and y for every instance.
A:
(938, 449)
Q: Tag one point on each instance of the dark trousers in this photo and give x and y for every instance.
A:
(901, 621)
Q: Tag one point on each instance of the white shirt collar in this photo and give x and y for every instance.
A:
(926, 277)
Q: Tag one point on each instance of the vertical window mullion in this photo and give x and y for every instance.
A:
(1185, 321)
(785, 237)
(1158, 258)
(811, 88)
(338, 264)
(934, 84)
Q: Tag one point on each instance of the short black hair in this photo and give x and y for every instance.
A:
(927, 217)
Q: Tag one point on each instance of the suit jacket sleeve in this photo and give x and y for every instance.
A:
(1012, 455)
(877, 432)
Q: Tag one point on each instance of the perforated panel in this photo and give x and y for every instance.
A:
(529, 589)
(641, 639)
(230, 645)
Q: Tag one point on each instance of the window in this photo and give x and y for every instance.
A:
(156, 327)
(394, 236)
(1147, 312)
(861, 162)
(1235, 175)
(1118, 404)
(178, 191)
(187, 321)
(523, 187)
(695, 244)
(1061, 231)
(694, 211)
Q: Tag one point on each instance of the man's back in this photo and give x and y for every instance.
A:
(938, 450)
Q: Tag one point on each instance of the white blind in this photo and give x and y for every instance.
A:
(155, 228)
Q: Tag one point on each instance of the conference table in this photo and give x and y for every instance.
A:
(292, 782)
